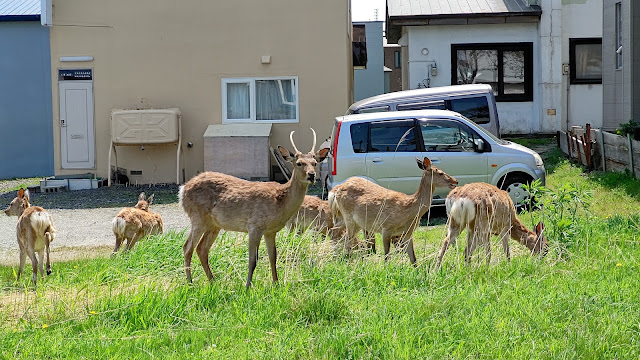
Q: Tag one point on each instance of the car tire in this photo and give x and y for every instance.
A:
(513, 185)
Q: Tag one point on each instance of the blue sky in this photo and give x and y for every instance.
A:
(364, 10)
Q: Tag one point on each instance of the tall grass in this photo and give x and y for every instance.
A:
(581, 301)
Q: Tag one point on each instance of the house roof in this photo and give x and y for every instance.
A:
(19, 10)
(456, 12)
(446, 8)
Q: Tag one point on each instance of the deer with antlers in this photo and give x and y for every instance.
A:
(135, 223)
(483, 210)
(215, 201)
(375, 209)
(35, 231)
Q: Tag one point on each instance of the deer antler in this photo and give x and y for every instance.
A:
(293, 144)
(313, 147)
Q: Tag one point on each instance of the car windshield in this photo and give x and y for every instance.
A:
(486, 132)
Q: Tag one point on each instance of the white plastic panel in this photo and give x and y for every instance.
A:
(152, 126)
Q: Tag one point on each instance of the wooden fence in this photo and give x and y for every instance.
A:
(601, 150)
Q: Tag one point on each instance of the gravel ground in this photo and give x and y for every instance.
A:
(83, 219)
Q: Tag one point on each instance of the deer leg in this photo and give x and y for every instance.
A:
(134, 238)
(41, 263)
(23, 258)
(34, 264)
(187, 249)
(352, 237)
(487, 242)
(472, 242)
(47, 253)
(119, 240)
(505, 245)
(410, 252)
(270, 241)
(452, 233)
(254, 244)
(203, 250)
(386, 242)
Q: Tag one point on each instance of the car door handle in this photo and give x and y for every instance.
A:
(377, 160)
(434, 160)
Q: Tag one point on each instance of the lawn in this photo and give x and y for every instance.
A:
(581, 301)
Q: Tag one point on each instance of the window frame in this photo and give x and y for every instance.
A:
(252, 100)
(618, 34)
(572, 60)
(527, 47)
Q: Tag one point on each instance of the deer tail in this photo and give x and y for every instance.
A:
(333, 206)
(118, 225)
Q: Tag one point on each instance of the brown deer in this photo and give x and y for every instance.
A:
(368, 206)
(35, 231)
(135, 223)
(314, 213)
(215, 201)
(483, 209)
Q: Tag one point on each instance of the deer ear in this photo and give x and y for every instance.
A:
(27, 195)
(286, 154)
(322, 154)
(150, 199)
(141, 197)
(21, 193)
(424, 164)
(539, 228)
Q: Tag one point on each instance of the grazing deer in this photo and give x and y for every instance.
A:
(315, 214)
(135, 223)
(35, 231)
(368, 206)
(483, 209)
(215, 201)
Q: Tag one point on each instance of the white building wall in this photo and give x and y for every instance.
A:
(515, 117)
(581, 19)
(370, 81)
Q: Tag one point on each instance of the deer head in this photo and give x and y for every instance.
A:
(19, 204)
(304, 165)
(538, 244)
(439, 177)
(143, 204)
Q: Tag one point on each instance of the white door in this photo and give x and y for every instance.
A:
(77, 138)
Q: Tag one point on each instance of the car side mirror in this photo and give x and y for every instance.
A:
(479, 145)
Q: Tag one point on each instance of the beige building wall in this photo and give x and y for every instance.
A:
(175, 53)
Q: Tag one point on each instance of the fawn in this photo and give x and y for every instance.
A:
(135, 223)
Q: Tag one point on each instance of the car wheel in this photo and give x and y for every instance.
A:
(514, 186)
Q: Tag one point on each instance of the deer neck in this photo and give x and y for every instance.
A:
(423, 196)
(293, 193)
(524, 236)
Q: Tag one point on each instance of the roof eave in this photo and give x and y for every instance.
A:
(395, 23)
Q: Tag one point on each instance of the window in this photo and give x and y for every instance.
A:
(393, 136)
(585, 58)
(373, 110)
(507, 67)
(436, 105)
(257, 100)
(446, 136)
(475, 109)
(619, 35)
(397, 63)
(359, 134)
(359, 46)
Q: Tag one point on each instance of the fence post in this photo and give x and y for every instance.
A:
(631, 154)
(604, 156)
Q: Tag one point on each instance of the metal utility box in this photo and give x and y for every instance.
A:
(241, 150)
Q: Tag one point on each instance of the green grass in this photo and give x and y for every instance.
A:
(581, 301)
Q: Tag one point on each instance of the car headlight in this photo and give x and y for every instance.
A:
(539, 162)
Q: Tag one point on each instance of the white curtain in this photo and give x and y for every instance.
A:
(275, 99)
(238, 100)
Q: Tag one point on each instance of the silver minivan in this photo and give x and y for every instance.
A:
(382, 147)
(475, 101)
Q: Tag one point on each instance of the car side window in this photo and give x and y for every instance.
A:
(393, 136)
(475, 109)
(446, 136)
(359, 133)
